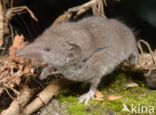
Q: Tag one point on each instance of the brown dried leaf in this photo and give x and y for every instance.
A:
(27, 69)
(98, 96)
(14, 68)
(18, 43)
(113, 98)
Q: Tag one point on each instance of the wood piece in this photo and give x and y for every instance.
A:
(44, 97)
(17, 104)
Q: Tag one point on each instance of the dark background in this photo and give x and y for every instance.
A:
(140, 15)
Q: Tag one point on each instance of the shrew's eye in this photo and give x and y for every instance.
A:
(47, 49)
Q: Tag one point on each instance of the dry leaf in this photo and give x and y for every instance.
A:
(113, 98)
(98, 96)
(15, 68)
(18, 43)
(27, 68)
(131, 85)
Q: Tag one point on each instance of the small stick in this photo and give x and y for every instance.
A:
(15, 10)
(17, 104)
(149, 48)
(44, 97)
(96, 5)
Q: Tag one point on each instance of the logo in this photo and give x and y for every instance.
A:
(138, 109)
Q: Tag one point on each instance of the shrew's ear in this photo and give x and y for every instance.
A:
(74, 50)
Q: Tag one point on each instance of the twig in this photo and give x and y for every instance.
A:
(149, 48)
(12, 89)
(151, 53)
(44, 97)
(7, 14)
(15, 10)
(11, 3)
(97, 7)
(2, 24)
(9, 93)
(37, 82)
(17, 105)
(11, 31)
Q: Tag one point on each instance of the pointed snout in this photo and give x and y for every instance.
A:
(30, 53)
(25, 53)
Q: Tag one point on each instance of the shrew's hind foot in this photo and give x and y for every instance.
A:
(86, 97)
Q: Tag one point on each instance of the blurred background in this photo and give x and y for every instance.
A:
(140, 15)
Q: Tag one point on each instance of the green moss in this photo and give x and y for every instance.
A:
(73, 106)
(133, 97)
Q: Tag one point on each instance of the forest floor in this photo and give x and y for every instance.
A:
(121, 97)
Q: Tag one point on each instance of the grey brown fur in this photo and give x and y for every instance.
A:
(151, 80)
(84, 51)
